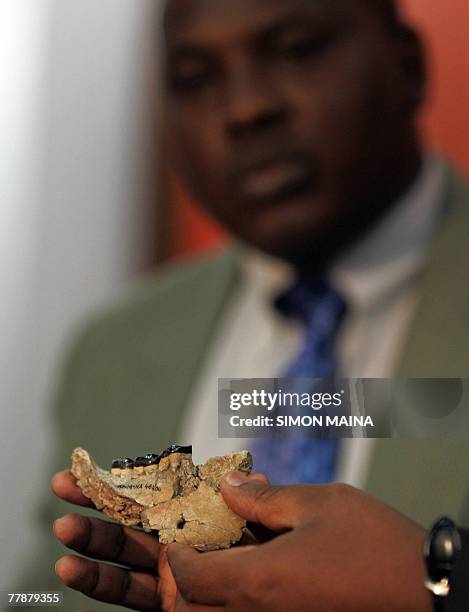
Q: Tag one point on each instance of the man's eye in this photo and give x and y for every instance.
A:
(190, 77)
(301, 49)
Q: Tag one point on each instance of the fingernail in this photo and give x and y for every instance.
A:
(58, 523)
(236, 479)
(259, 477)
(57, 565)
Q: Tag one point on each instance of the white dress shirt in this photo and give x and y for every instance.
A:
(379, 279)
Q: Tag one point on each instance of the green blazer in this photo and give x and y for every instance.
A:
(127, 381)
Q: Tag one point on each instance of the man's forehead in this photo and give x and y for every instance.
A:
(218, 17)
(186, 15)
(191, 8)
(184, 12)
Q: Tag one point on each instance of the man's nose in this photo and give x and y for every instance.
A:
(253, 105)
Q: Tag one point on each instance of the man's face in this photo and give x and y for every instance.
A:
(289, 120)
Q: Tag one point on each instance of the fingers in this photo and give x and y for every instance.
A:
(206, 578)
(106, 541)
(257, 534)
(109, 584)
(167, 585)
(277, 508)
(64, 486)
(258, 477)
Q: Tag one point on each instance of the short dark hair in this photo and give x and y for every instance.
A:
(387, 11)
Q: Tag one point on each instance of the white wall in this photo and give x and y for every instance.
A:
(72, 226)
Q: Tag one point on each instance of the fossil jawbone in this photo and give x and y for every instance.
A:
(179, 500)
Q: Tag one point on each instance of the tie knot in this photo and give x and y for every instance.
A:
(315, 303)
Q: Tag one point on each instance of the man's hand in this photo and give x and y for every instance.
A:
(144, 583)
(339, 550)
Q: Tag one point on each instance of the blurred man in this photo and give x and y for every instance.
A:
(293, 123)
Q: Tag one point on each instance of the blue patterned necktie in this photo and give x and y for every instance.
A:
(306, 460)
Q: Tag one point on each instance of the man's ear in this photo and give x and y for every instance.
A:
(413, 62)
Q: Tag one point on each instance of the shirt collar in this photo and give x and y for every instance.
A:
(394, 251)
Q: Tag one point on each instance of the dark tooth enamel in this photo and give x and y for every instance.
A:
(176, 448)
(123, 464)
(184, 450)
(152, 459)
(141, 462)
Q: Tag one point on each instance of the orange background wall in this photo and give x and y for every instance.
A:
(445, 25)
(445, 122)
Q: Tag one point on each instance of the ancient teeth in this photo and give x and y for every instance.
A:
(176, 448)
(141, 462)
(123, 464)
(150, 458)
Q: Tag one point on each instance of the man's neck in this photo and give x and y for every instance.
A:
(382, 199)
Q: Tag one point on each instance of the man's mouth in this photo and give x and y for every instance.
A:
(275, 181)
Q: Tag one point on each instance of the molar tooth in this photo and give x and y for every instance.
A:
(123, 463)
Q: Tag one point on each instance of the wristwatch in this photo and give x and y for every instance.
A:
(442, 548)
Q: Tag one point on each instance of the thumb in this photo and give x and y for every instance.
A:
(254, 499)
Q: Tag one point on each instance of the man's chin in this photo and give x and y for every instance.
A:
(301, 240)
(299, 251)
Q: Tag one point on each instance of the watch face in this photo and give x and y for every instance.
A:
(442, 548)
